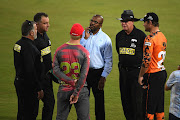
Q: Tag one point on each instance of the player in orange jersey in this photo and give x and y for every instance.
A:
(152, 74)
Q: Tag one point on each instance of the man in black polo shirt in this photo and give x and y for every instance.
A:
(43, 44)
(27, 64)
(129, 46)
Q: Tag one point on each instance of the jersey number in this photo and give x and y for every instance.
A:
(74, 68)
(160, 63)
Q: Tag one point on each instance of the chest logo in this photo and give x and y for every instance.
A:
(49, 42)
(46, 51)
(133, 41)
(128, 51)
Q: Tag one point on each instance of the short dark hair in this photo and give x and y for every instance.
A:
(38, 16)
(26, 27)
(155, 24)
(100, 16)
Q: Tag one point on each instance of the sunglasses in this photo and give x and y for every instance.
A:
(96, 22)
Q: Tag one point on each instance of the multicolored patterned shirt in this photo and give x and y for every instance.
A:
(71, 62)
(154, 52)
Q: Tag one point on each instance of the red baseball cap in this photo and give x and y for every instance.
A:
(76, 29)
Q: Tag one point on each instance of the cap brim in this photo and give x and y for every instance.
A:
(119, 18)
(134, 19)
(142, 19)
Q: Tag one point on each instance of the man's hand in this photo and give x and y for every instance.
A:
(101, 83)
(73, 99)
(75, 82)
(87, 33)
(140, 79)
(40, 94)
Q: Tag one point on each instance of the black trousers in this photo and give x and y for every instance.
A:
(131, 94)
(48, 100)
(155, 91)
(27, 101)
(173, 117)
(93, 78)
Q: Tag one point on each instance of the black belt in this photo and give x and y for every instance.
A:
(92, 69)
(129, 68)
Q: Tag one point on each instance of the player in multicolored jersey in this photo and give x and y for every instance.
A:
(152, 74)
(71, 64)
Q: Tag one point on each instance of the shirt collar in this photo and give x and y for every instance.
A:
(100, 30)
(133, 31)
(72, 43)
(38, 34)
(25, 38)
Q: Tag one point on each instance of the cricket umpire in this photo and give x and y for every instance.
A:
(43, 44)
(27, 64)
(99, 45)
(129, 46)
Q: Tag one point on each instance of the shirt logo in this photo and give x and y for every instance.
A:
(147, 44)
(49, 42)
(133, 40)
(17, 48)
(46, 51)
(133, 43)
(128, 51)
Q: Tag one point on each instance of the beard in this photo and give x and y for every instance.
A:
(35, 36)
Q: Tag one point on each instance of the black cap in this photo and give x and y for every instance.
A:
(127, 15)
(150, 16)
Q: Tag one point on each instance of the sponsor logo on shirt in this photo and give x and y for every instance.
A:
(147, 44)
(128, 51)
(46, 51)
(17, 48)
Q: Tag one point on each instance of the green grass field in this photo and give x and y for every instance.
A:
(63, 14)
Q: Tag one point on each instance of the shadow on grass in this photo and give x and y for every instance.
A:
(7, 118)
(10, 118)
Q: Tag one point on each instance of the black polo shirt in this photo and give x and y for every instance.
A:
(43, 44)
(27, 63)
(130, 47)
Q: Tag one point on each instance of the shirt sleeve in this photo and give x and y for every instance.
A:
(59, 73)
(117, 47)
(83, 74)
(82, 41)
(170, 82)
(107, 59)
(147, 52)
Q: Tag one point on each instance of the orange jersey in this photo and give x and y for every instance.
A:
(154, 52)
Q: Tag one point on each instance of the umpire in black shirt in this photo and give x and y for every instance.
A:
(43, 44)
(129, 46)
(27, 64)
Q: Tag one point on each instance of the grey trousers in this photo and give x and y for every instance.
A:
(64, 106)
